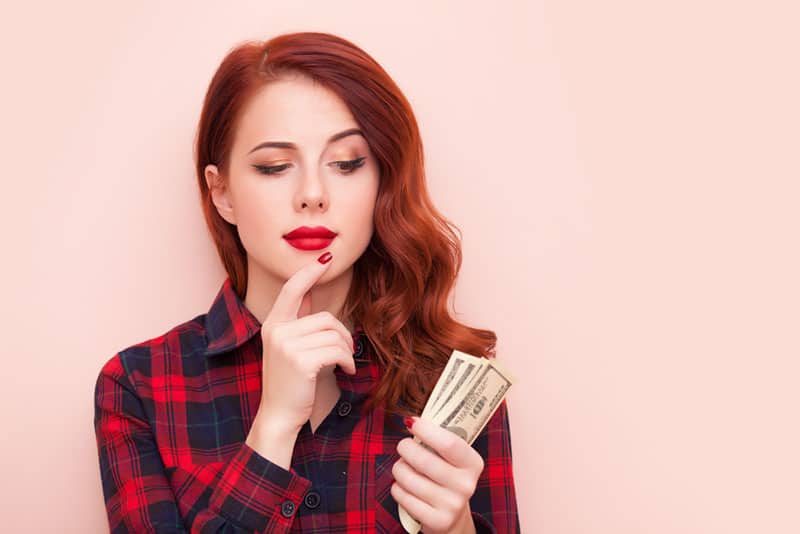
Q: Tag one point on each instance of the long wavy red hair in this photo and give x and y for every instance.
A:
(402, 281)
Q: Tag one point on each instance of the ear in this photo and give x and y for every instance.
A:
(220, 194)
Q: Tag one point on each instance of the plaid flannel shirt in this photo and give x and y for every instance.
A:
(172, 414)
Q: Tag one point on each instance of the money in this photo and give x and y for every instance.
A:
(467, 394)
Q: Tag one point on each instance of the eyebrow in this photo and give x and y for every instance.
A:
(287, 144)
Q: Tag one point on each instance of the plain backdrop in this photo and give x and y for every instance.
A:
(625, 175)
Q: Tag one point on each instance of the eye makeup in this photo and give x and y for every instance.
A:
(346, 166)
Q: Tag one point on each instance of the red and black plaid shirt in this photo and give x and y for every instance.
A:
(172, 414)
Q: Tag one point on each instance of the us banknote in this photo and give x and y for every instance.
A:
(466, 395)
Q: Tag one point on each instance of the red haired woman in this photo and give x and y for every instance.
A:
(288, 406)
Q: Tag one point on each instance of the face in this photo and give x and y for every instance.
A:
(312, 178)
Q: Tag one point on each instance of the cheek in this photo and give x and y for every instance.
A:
(358, 217)
(359, 203)
(259, 224)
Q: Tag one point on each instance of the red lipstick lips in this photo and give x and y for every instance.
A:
(310, 237)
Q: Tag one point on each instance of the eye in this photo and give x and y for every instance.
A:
(349, 166)
(271, 169)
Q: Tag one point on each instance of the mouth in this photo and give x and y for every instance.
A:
(310, 243)
(310, 238)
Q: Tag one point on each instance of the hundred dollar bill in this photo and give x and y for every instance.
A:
(470, 367)
(467, 414)
(451, 370)
(463, 402)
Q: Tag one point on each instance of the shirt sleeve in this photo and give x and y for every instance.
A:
(246, 494)
(494, 503)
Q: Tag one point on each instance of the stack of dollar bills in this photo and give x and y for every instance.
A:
(468, 392)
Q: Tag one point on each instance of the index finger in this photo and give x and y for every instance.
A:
(287, 304)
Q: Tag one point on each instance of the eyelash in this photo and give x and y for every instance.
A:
(275, 169)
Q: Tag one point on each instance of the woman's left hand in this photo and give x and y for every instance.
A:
(435, 490)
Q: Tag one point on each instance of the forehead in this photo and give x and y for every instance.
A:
(294, 109)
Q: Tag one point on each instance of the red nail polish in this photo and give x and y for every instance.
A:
(325, 258)
(408, 422)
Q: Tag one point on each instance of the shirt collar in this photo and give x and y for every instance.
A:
(230, 324)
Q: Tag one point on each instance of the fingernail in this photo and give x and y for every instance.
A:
(325, 258)
(409, 422)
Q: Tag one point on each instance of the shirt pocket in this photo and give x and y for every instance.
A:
(387, 516)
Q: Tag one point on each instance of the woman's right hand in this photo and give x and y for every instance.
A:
(297, 346)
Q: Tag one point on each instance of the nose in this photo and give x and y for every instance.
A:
(312, 193)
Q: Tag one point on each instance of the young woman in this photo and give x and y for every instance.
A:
(288, 406)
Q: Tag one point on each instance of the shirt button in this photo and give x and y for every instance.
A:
(312, 499)
(344, 408)
(359, 347)
(287, 508)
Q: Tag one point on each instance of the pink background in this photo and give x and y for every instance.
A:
(626, 177)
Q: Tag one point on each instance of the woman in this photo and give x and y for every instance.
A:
(286, 407)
